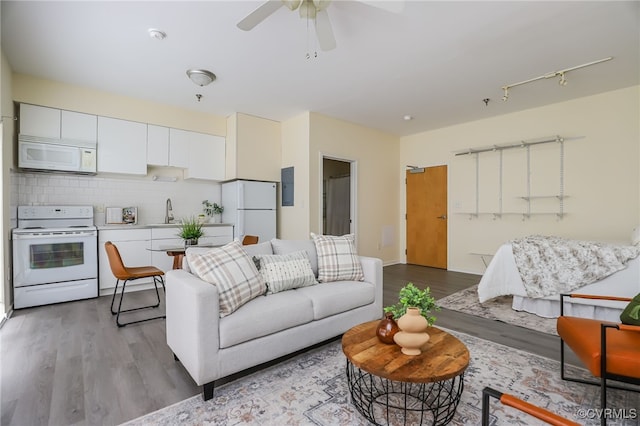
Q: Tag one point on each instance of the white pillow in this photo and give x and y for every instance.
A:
(337, 258)
(286, 271)
(231, 270)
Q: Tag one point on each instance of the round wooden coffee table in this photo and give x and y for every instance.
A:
(388, 386)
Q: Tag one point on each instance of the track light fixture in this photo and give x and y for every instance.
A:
(561, 74)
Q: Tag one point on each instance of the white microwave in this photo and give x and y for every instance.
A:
(37, 153)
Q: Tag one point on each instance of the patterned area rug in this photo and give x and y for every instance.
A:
(498, 309)
(311, 389)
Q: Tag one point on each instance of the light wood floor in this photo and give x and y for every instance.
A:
(68, 364)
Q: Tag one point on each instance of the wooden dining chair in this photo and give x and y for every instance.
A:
(521, 405)
(249, 239)
(609, 350)
(125, 274)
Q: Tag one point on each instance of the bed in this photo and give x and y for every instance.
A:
(503, 277)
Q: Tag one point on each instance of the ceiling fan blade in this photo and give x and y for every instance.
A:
(324, 32)
(260, 14)
(395, 6)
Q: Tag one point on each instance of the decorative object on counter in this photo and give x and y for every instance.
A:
(190, 231)
(213, 210)
(413, 332)
(414, 312)
(117, 215)
(387, 328)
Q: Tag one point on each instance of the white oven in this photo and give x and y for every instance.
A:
(54, 264)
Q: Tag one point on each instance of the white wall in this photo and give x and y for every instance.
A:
(100, 191)
(601, 174)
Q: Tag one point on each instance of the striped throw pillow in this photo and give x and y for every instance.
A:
(231, 270)
(337, 258)
(286, 271)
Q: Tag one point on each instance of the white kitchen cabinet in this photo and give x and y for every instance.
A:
(133, 245)
(206, 157)
(79, 126)
(122, 146)
(157, 145)
(39, 121)
(179, 147)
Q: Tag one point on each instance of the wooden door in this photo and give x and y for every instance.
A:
(427, 217)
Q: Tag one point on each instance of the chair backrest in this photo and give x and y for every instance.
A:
(115, 261)
(249, 239)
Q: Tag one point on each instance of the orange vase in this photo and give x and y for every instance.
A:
(413, 332)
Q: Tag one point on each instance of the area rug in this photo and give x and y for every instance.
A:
(311, 389)
(499, 309)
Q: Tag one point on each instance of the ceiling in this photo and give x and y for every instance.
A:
(435, 61)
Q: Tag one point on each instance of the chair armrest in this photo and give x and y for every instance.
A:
(519, 404)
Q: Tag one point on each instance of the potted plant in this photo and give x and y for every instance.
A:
(411, 296)
(211, 209)
(190, 231)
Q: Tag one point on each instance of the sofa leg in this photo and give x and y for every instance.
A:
(207, 391)
(175, 357)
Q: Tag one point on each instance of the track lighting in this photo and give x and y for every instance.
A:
(561, 74)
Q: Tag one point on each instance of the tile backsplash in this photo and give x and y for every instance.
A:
(148, 195)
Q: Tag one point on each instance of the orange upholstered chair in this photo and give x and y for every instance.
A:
(517, 403)
(126, 274)
(610, 351)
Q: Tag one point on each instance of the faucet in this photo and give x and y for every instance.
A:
(168, 215)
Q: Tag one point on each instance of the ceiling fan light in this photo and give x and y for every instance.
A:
(292, 4)
(201, 77)
(307, 10)
(321, 4)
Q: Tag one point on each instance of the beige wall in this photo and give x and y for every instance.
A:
(376, 156)
(293, 221)
(6, 112)
(600, 174)
(38, 91)
(257, 148)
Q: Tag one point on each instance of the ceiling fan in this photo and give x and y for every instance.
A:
(315, 10)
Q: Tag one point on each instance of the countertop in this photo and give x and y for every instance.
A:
(153, 225)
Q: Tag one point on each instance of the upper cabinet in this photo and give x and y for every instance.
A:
(39, 121)
(157, 145)
(122, 146)
(54, 123)
(179, 145)
(206, 157)
(79, 126)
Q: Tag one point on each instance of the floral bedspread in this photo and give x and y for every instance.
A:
(554, 265)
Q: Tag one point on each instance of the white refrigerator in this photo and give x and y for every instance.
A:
(251, 207)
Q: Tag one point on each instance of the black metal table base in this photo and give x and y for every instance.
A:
(383, 401)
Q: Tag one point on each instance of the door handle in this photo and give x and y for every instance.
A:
(443, 217)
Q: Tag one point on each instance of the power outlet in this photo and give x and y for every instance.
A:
(99, 208)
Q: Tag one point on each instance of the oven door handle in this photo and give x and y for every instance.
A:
(54, 235)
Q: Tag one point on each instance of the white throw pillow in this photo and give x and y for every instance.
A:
(286, 271)
(337, 258)
(231, 270)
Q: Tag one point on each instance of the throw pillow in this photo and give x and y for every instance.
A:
(286, 271)
(231, 270)
(337, 258)
(631, 314)
(289, 246)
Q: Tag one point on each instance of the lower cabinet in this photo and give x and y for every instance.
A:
(133, 245)
(143, 247)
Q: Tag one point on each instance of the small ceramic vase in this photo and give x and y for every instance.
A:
(412, 335)
(190, 242)
(387, 328)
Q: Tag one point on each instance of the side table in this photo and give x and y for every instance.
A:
(387, 385)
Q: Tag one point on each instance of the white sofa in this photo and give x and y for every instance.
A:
(267, 327)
